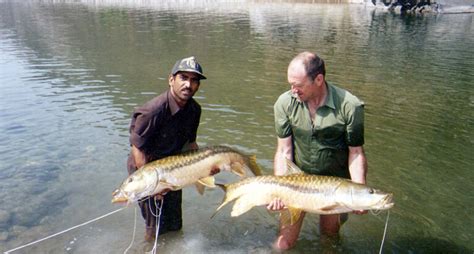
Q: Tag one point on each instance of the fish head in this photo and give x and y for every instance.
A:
(362, 197)
(138, 185)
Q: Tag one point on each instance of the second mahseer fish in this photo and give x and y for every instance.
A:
(304, 192)
(177, 171)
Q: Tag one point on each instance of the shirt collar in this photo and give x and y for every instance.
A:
(174, 108)
(329, 98)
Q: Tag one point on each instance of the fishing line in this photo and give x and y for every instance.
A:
(384, 232)
(64, 231)
(376, 212)
(157, 215)
(157, 223)
(134, 230)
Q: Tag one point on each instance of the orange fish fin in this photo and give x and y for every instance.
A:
(253, 166)
(290, 216)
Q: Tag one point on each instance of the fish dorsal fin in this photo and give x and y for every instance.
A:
(207, 181)
(290, 216)
(291, 168)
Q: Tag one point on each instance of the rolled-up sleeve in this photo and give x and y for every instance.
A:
(355, 125)
(282, 121)
(141, 128)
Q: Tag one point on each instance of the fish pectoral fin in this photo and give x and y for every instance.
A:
(329, 208)
(290, 216)
(163, 185)
(291, 168)
(200, 188)
(203, 182)
(208, 181)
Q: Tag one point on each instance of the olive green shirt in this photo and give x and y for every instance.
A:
(322, 147)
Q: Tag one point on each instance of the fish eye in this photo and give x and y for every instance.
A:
(130, 180)
(371, 191)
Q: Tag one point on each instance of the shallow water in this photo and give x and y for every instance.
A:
(71, 74)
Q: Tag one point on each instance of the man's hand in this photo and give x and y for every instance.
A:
(276, 205)
(359, 212)
(161, 195)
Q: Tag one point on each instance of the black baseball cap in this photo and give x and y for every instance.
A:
(189, 64)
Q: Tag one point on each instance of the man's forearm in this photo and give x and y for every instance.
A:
(357, 164)
(139, 156)
(283, 152)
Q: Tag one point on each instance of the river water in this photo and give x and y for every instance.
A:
(71, 72)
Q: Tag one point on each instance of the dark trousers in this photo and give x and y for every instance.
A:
(171, 213)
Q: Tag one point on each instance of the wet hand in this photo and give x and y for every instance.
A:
(276, 205)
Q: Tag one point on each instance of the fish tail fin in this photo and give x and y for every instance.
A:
(224, 200)
(253, 166)
(238, 169)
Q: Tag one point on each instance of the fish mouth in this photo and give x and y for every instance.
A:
(118, 196)
(387, 202)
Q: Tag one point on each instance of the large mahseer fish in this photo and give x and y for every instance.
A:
(304, 192)
(177, 171)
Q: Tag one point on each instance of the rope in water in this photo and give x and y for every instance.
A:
(384, 232)
(157, 224)
(157, 214)
(64, 231)
(134, 231)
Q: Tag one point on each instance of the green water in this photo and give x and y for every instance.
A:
(72, 72)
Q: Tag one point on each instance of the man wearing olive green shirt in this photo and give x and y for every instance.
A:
(321, 128)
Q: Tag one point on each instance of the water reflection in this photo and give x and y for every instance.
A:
(71, 74)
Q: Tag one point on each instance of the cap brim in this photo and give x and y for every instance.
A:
(191, 70)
